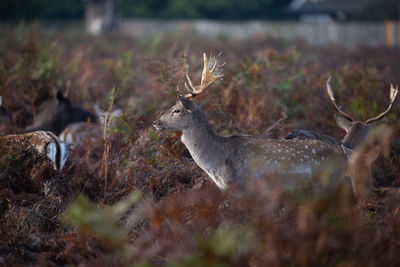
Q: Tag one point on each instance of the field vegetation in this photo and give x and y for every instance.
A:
(135, 196)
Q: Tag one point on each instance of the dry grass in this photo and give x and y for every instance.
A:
(180, 217)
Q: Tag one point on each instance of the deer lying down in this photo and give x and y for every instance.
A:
(57, 113)
(44, 143)
(228, 159)
(5, 116)
(77, 134)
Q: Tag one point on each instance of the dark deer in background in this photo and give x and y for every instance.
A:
(57, 113)
(5, 116)
(229, 159)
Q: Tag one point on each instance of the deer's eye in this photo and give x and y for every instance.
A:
(177, 110)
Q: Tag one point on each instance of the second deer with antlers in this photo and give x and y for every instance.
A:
(228, 159)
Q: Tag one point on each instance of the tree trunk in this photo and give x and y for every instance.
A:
(102, 15)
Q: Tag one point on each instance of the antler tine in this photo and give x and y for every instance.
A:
(208, 76)
(393, 95)
(333, 100)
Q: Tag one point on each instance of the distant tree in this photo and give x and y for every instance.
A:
(34, 9)
(213, 9)
(102, 15)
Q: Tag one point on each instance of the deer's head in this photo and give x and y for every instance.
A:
(180, 117)
(55, 116)
(5, 116)
(357, 131)
(185, 114)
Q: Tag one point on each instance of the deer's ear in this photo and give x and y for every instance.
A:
(60, 96)
(347, 151)
(343, 122)
(187, 104)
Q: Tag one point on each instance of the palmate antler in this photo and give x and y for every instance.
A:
(211, 72)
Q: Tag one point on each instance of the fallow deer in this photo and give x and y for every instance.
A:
(5, 116)
(46, 144)
(57, 113)
(356, 131)
(228, 159)
(359, 162)
(77, 134)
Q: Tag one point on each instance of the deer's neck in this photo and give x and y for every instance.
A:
(209, 151)
(200, 139)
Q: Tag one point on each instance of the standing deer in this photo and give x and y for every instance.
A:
(359, 161)
(228, 159)
(356, 131)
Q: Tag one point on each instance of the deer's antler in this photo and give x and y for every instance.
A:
(393, 95)
(211, 72)
(333, 100)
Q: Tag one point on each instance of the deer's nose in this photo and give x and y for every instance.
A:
(157, 122)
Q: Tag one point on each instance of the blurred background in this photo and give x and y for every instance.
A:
(320, 22)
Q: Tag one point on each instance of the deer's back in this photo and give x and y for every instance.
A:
(257, 156)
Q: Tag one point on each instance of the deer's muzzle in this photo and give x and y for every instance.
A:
(158, 125)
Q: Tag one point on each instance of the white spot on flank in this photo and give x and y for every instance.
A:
(306, 146)
(313, 151)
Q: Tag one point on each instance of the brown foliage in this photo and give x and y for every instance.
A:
(182, 217)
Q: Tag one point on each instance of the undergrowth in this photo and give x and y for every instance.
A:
(180, 217)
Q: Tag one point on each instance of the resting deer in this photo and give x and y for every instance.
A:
(5, 116)
(46, 144)
(57, 113)
(228, 159)
(77, 134)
